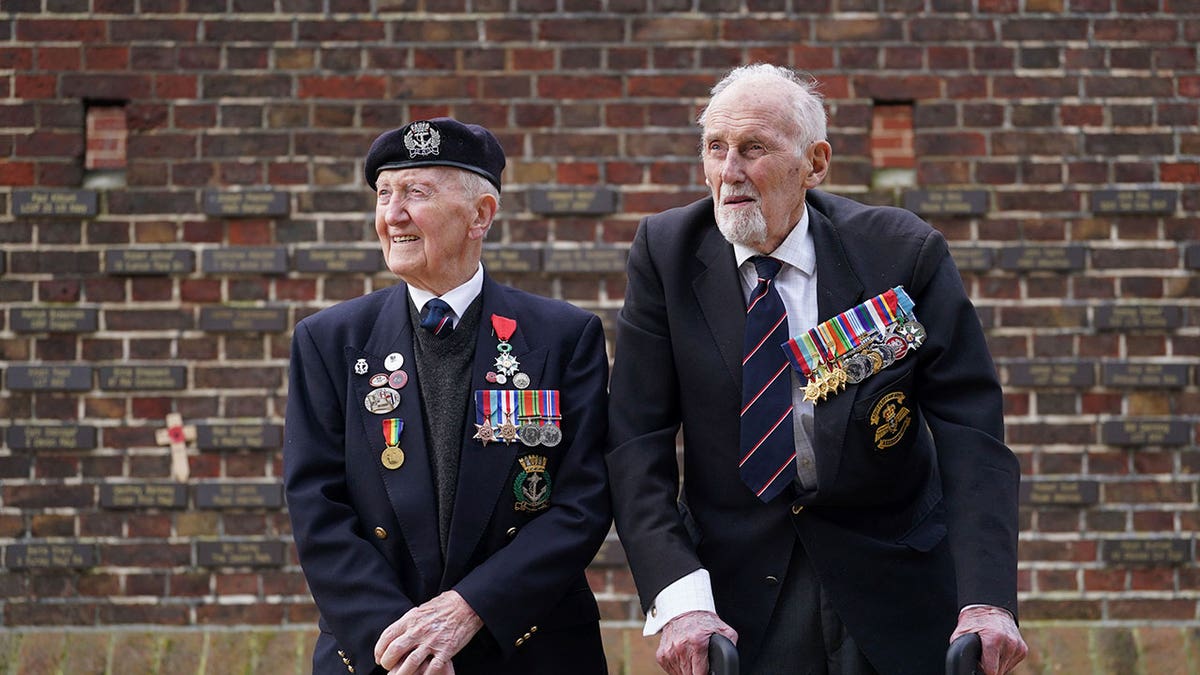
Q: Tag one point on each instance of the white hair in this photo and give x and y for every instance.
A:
(807, 105)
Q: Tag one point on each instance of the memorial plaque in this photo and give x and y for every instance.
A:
(139, 262)
(54, 319)
(1033, 258)
(143, 495)
(262, 553)
(1138, 317)
(67, 437)
(1060, 492)
(28, 556)
(512, 259)
(1075, 374)
(1134, 201)
(254, 204)
(585, 260)
(946, 202)
(243, 319)
(973, 258)
(244, 260)
(1144, 432)
(239, 495)
(345, 259)
(1147, 551)
(235, 436)
(69, 203)
(49, 378)
(1191, 258)
(141, 378)
(1153, 375)
(572, 201)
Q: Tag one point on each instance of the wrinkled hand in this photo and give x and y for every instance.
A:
(1003, 647)
(423, 641)
(683, 648)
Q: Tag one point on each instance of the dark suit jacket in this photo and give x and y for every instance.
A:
(367, 537)
(876, 531)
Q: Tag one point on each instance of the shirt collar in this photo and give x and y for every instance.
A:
(797, 250)
(459, 298)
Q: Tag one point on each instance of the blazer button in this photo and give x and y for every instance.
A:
(533, 629)
(380, 533)
(520, 641)
(796, 509)
(512, 532)
(772, 580)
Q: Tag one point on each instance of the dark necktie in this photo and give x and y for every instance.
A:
(768, 449)
(435, 317)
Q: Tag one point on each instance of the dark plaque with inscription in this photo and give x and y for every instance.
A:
(255, 204)
(1134, 201)
(54, 319)
(239, 495)
(146, 262)
(1152, 375)
(243, 319)
(143, 495)
(344, 259)
(67, 437)
(261, 553)
(946, 202)
(1138, 317)
(1147, 551)
(52, 203)
(1191, 257)
(141, 378)
(1050, 258)
(49, 378)
(1144, 432)
(972, 258)
(1060, 492)
(585, 260)
(589, 201)
(29, 556)
(236, 436)
(512, 259)
(1074, 374)
(245, 260)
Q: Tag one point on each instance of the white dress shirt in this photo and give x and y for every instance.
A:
(459, 298)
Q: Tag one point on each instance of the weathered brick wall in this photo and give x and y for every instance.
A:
(1054, 142)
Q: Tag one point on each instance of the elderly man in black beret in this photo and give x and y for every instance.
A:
(443, 452)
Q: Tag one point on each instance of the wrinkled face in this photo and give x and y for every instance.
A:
(430, 228)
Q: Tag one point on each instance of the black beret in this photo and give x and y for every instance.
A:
(437, 142)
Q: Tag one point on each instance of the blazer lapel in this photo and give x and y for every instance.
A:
(719, 293)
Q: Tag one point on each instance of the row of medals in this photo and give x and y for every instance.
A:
(869, 358)
(530, 435)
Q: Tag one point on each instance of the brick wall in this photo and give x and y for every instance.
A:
(1054, 142)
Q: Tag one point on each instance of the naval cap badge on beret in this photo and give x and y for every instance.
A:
(441, 141)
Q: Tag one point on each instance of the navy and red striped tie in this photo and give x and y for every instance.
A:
(768, 449)
(435, 317)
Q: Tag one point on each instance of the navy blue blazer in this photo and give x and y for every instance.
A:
(876, 530)
(367, 536)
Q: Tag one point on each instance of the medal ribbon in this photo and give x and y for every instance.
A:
(485, 405)
(391, 431)
(828, 341)
(530, 404)
(504, 327)
(552, 411)
(508, 403)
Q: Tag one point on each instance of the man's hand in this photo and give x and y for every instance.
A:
(683, 649)
(1003, 647)
(425, 639)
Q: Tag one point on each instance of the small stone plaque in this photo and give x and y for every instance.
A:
(49, 378)
(1153, 375)
(1075, 374)
(1034, 258)
(236, 436)
(244, 260)
(243, 319)
(1147, 551)
(344, 259)
(144, 262)
(1191, 258)
(973, 258)
(143, 378)
(589, 201)
(254, 204)
(54, 319)
(67, 437)
(1138, 317)
(239, 495)
(1060, 492)
(585, 260)
(1144, 432)
(143, 495)
(946, 202)
(1134, 201)
(262, 553)
(28, 556)
(38, 203)
(512, 259)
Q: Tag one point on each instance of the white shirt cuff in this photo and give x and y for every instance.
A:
(691, 592)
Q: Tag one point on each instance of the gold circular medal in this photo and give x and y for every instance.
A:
(392, 457)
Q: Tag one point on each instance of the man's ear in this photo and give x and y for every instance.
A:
(819, 155)
(486, 206)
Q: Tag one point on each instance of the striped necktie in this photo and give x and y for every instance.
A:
(435, 317)
(767, 445)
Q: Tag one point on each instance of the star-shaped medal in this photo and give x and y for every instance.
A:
(484, 433)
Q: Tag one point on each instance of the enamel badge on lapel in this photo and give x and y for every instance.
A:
(532, 485)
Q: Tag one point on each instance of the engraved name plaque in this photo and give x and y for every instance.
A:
(54, 319)
(62, 203)
(29, 556)
(245, 260)
(255, 204)
(143, 495)
(585, 260)
(141, 378)
(67, 437)
(512, 259)
(49, 378)
(239, 553)
(572, 201)
(237, 436)
(147, 262)
(1147, 551)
